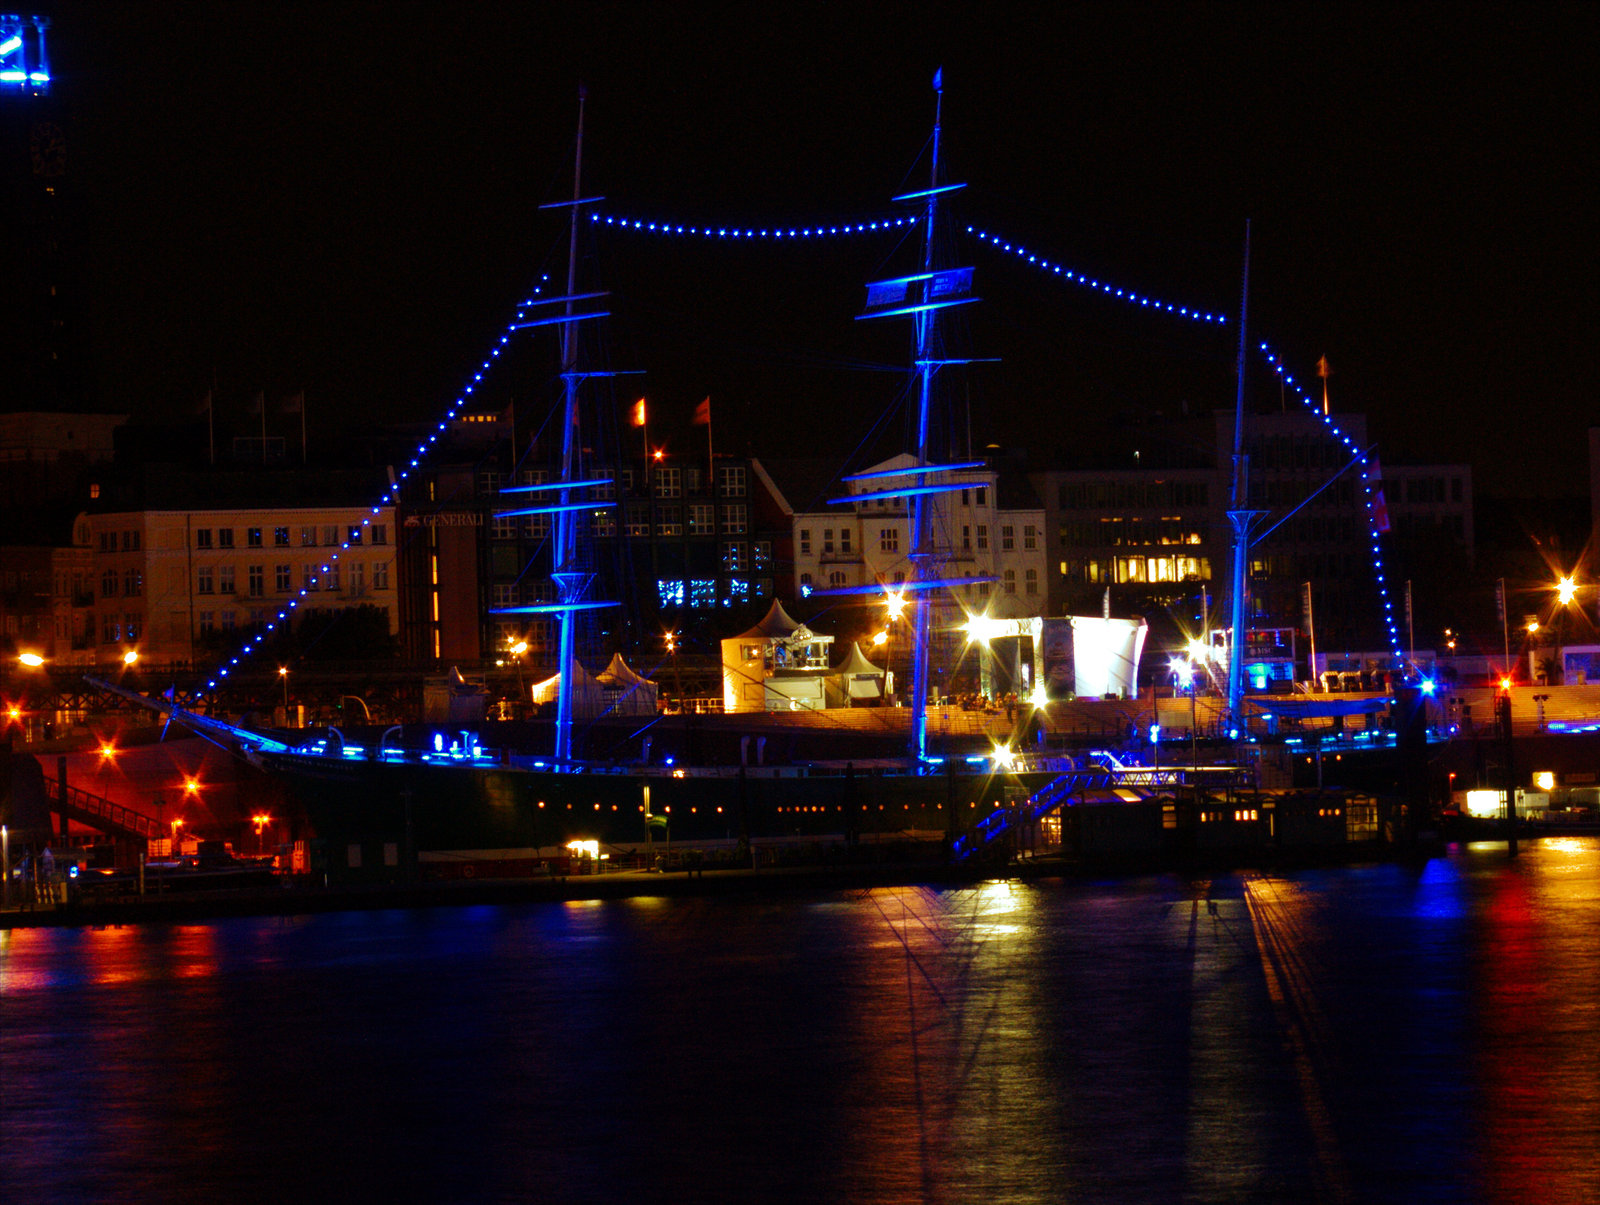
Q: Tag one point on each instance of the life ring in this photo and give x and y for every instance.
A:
(468, 872)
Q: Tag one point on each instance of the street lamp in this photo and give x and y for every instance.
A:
(31, 660)
(260, 820)
(283, 674)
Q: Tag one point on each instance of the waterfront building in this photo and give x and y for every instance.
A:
(1153, 529)
(183, 565)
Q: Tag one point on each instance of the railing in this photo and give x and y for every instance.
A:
(97, 807)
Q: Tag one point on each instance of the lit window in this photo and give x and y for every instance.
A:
(669, 593)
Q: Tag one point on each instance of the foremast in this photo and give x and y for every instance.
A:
(572, 574)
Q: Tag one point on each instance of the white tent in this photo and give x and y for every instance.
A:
(588, 695)
(778, 665)
(625, 691)
(854, 678)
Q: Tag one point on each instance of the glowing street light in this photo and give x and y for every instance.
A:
(981, 629)
(130, 658)
(1566, 590)
(895, 601)
(31, 660)
(1003, 756)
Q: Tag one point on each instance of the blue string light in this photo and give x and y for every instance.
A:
(763, 234)
(1310, 404)
(1099, 286)
(393, 493)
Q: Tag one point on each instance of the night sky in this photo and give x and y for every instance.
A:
(344, 198)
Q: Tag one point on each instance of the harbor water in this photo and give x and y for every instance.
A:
(1425, 1033)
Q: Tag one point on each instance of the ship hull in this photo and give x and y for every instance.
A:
(374, 817)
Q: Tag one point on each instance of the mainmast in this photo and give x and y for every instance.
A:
(923, 297)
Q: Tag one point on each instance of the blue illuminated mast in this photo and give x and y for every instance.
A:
(923, 297)
(1241, 518)
(571, 574)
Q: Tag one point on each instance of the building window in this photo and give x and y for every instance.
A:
(827, 541)
(668, 482)
(983, 495)
(503, 594)
(1008, 539)
(966, 538)
(1030, 536)
(638, 519)
(836, 579)
(380, 533)
(730, 481)
(202, 537)
(257, 576)
(738, 592)
(1031, 580)
(805, 541)
(983, 536)
(702, 515)
(844, 541)
(358, 578)
(702, 592)
(1011, 581)
(208, 622)
(669, 521)
(669, 594)
(308, 537)
(353, 535)
(330, 576)
(280, 537)
(205, 581)
(805, 585)
(502, 528)
(603, 522)
(733, 558)
(308, 577)
(761, 553)
(130, 627)
(252, 537)
(108, 584)
(282, 578)
(330, 535)
(225, 579)
(132, 583)
(224, 537)
(110, 630)
(538, 527)
(733, 514)
(229, 621)
(380, 575)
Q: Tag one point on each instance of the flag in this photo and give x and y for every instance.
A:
(295, 403)
(1380, 508)
(638, 413)
(1500, 601)
(702, 414)
(256, 403)
(204, 405)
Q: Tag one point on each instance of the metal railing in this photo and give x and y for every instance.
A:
(96, 808)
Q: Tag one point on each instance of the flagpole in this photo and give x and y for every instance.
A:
(261, 400)
(303, 457)
(711, 455)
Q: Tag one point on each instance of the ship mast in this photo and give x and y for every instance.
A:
(570, 573)
(922, 297)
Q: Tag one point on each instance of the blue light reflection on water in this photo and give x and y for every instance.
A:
(1370, 1033)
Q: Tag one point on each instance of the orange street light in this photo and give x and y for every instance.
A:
(31, 660)
(131, 657)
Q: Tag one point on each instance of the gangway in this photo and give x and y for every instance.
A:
(100, 813)
(1132, 783)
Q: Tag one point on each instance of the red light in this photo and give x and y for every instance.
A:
(1505, 683)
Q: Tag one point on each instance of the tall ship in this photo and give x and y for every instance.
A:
(450, 801)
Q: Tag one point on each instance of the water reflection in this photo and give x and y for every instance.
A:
(1370, 1033)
